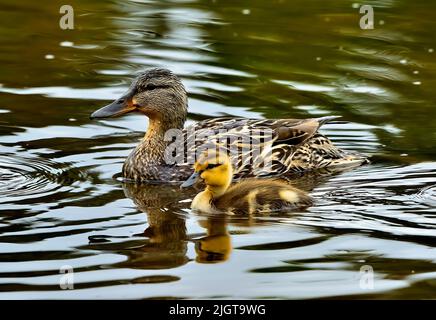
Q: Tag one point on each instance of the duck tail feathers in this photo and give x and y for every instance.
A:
(326, 119)
(350, 161)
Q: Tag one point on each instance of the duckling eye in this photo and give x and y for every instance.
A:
(212, 165)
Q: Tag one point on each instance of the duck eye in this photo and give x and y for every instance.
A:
(150, 87)
(213, 165)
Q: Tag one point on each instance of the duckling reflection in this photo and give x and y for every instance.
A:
(167, 240)
(216, 246)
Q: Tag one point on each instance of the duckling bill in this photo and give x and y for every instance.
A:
(248, 196)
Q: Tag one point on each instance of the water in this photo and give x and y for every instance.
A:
(61, 204)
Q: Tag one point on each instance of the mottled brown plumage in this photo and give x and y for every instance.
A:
(288, 145)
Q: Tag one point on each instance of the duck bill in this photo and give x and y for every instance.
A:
(191, 180)
(117, 108)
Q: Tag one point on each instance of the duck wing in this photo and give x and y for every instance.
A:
(256, 147)
(290, 131)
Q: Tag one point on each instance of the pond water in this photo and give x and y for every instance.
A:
(60, 202)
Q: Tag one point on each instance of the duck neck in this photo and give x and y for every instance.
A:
(154, 139)
(204, 200)
(217, 190)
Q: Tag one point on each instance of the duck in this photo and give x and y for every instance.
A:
(287, 145)
(248, 196)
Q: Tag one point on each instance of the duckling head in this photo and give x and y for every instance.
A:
(215, 169)
(157, 93)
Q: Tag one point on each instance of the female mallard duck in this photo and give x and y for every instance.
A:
(294, 145)
(247, 196)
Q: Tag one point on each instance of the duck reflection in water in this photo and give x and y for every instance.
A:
(167, 236)
(167, 239)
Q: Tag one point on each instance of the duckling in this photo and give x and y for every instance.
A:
(294, 145)
(248, 196)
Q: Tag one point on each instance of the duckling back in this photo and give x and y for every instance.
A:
(260, 196)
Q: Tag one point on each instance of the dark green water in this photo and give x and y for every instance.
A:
(60, 204)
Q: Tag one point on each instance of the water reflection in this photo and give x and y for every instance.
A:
(216, 246)
(166, 234)
(166, 246)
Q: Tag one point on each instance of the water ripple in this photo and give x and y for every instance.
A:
(23, 178)
(426, 195)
